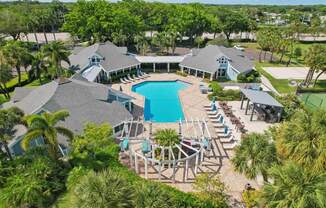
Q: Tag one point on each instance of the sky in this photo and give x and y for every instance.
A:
(253, 2)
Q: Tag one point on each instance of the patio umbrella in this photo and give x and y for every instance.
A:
(214, 107)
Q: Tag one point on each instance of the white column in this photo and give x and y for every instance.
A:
(181, 69)
(168, 67)
(189, 70)
(196, 73)
(211, 77)
(154, 66)
(203, 75)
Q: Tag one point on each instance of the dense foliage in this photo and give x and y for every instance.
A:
(221, 94)
(166, 137)
(250, 77)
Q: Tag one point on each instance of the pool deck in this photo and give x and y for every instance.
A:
(218, 161)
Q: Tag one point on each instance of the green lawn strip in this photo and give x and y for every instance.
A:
(14, 81)
(281, 85)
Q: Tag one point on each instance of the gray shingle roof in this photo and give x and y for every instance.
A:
(114, 57)
(86, 102)
(206, 58)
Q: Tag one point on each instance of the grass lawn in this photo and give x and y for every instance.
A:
(314, 101)
(14, 81)
(2, 99)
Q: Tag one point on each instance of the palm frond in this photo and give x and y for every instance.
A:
(29, 136)
(58, 116)
(36, 121)
(65, 132)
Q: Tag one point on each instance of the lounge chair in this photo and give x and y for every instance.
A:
(123, 81)
(135, 77)
(231, 145)
(126, 80)
(227, 140)
(129, 78)
(227, 133)
(145, 74)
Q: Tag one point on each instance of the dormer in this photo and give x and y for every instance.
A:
(95, 60)
(223, 60)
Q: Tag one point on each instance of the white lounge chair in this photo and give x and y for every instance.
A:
(123, 81)
(129, 78)
(231, 145)
(225, 135)
(145, 74)
(126, 80)
(227, 140)
(135, 78)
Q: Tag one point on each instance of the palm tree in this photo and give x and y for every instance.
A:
(5, 76)
(15, 54)
(56, 52)
(104, 189)
(150, 195)
(166, 137)
(8, 120)
(119, 38)
(316, 60)
(255, 155)
(293, 186)
(302, 139)
(38, 65)
(141, 43)
(45, 126)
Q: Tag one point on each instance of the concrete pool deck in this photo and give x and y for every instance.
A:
(218, 162)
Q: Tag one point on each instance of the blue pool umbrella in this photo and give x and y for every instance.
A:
(124, 145)
(226, 129)
(214, 107)
(146, 146)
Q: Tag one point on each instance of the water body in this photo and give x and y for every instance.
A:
(162, 103)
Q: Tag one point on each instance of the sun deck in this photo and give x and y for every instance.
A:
(218, 160)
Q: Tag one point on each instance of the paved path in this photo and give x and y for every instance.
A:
(268, 85)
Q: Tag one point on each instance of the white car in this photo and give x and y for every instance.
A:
(238, 47)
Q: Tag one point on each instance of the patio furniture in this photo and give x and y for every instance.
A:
(123, 81)
(124, 144)
(228, 146)
(227, 140)
(226, 133)
(130, 78)
(134, 77)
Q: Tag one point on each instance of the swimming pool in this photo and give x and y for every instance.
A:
(162, 102)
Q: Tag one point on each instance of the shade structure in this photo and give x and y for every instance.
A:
(260, 97)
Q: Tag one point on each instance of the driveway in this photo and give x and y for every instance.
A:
(290, 72)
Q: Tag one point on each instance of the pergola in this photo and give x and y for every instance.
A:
(195, 139)
(258, 98)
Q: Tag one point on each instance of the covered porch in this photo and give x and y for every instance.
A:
(160, 63)
(198, 73)
(261, 104)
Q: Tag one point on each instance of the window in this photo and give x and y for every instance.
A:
(95, 60)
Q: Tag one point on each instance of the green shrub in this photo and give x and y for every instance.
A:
(223, 95)
(166, 137)
(250, 77)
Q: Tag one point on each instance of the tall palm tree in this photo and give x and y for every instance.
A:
(255, 155)
(8, 120)
(15, 54)
(316, 60)
(141, 43)
(38, 65)
(56, 52)
(104, 189)
(45, 126)
(5, 76)
(293, 186)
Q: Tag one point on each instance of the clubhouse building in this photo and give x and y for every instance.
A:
(101, 62)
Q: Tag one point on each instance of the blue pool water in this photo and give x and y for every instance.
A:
(162, 102)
